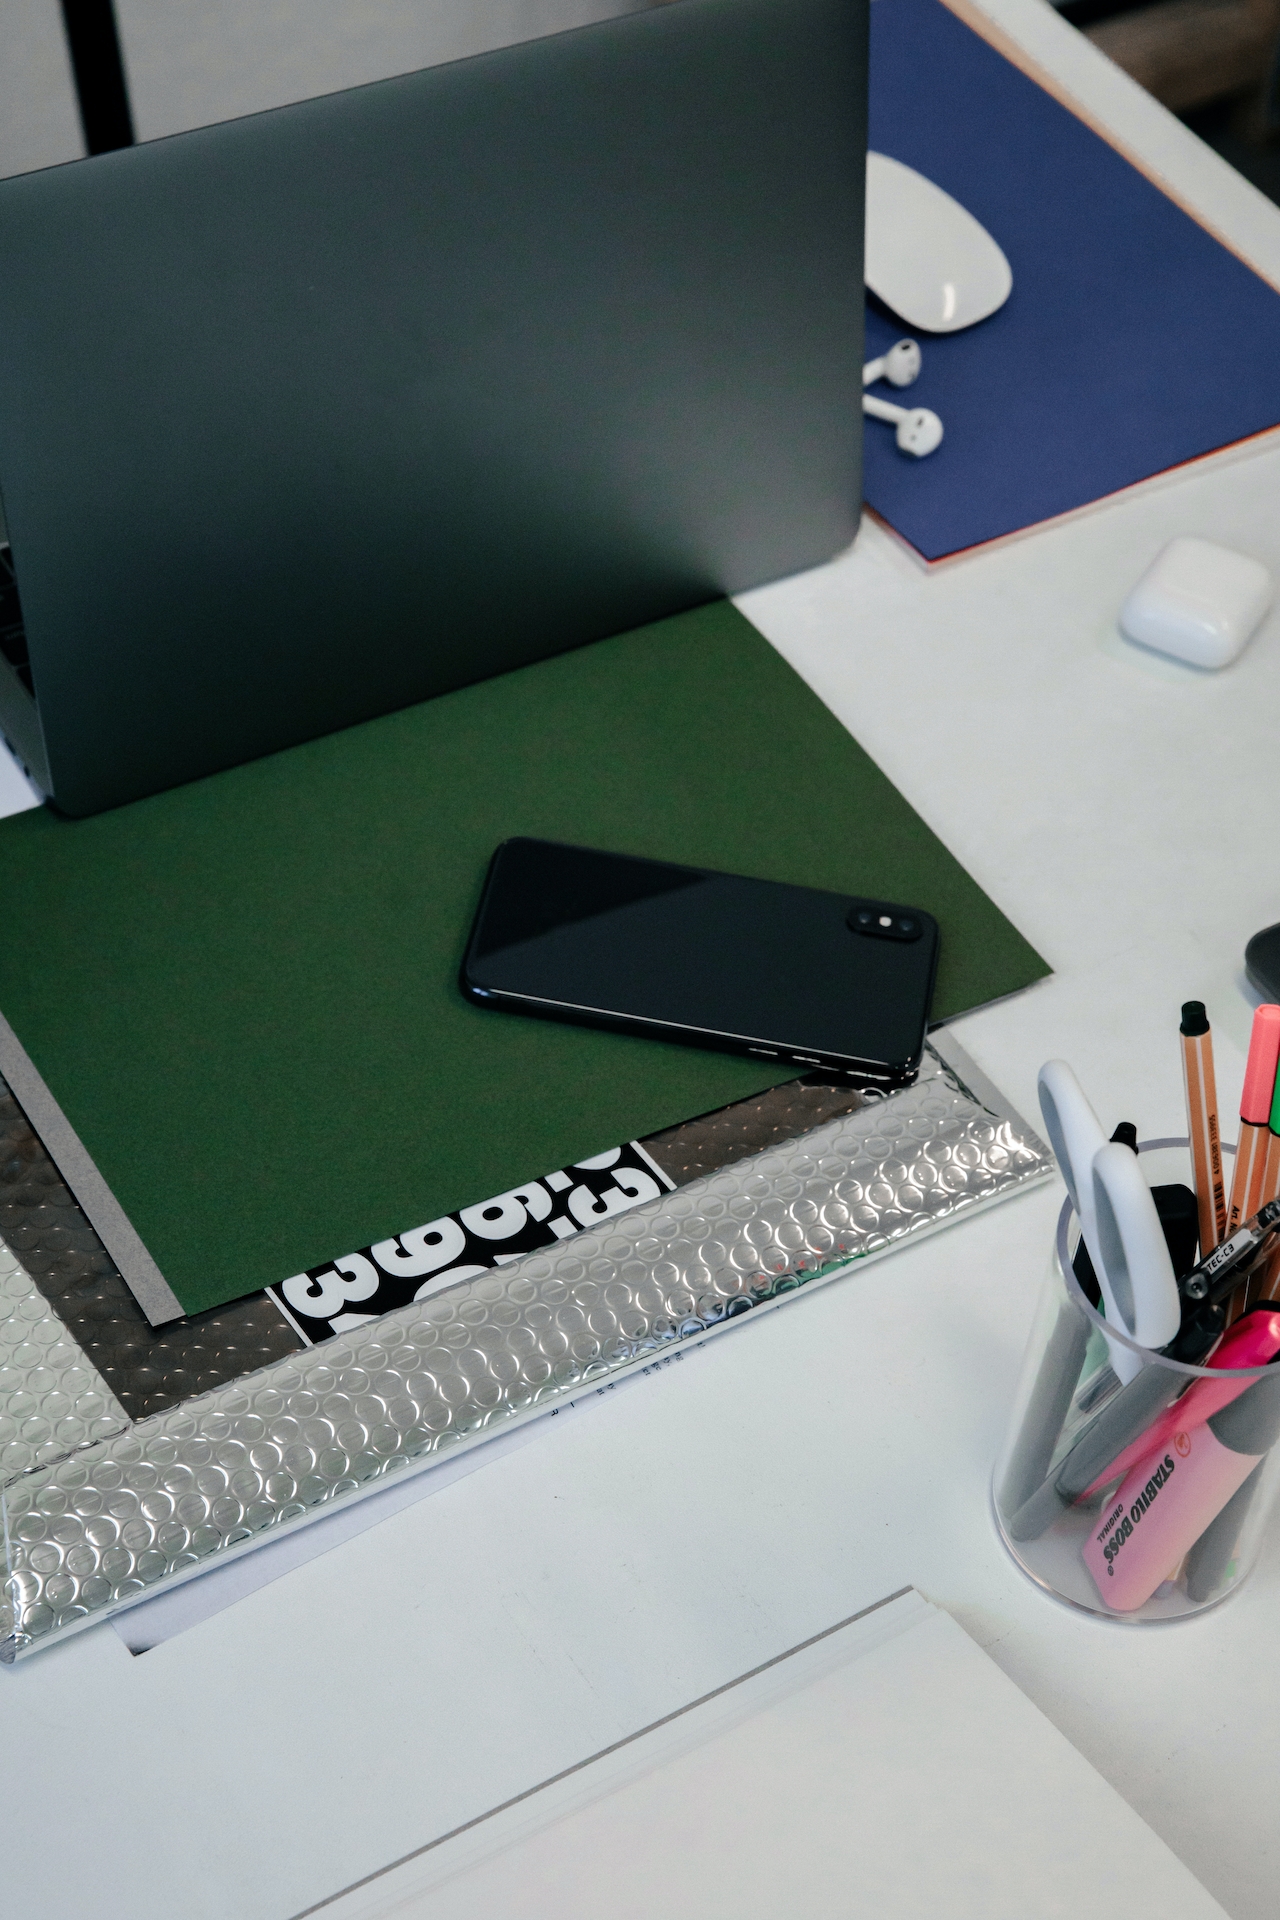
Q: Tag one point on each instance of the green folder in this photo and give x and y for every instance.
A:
(243, 993)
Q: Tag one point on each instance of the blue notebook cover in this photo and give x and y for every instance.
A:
(1132, 340)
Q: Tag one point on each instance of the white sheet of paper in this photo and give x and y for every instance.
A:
(887, 1769)
(150, 1622)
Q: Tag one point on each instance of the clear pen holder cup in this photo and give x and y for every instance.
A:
(1130, 1485)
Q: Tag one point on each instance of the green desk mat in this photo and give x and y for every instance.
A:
(243, 993)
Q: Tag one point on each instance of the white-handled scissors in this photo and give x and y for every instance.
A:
(1135, 1253)
(1118, 1220)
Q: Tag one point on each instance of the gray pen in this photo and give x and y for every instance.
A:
(1210, 1557)
(1123, 1418)
(1119, 1423)
(1139, 1401)
(1041, 1423)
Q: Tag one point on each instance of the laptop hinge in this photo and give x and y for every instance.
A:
(20, 725)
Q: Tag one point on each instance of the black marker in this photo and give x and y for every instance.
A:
(1179, 1219)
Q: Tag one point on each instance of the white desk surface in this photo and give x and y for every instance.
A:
(671, 1535)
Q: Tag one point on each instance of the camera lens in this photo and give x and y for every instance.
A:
(882, 921)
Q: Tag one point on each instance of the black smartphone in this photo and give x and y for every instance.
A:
(789, 973)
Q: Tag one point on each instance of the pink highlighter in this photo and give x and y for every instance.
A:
(1254, 1341)
(1175, 1492)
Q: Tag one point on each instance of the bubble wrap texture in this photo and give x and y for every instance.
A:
(116, 1519)
(147, 1368)
(52, 1399)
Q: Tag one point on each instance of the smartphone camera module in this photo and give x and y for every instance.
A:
(880, 921)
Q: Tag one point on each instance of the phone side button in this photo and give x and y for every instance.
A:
(769, 1053)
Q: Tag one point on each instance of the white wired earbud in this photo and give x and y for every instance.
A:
(900, 366)
(919, 431)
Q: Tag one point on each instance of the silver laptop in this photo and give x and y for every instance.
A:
(321, 412)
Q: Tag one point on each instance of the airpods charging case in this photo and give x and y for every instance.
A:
(1198, 601)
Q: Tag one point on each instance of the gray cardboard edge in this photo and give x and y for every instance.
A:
(76, 1165)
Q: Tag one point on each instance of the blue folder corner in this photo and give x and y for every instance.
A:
(1132, 340)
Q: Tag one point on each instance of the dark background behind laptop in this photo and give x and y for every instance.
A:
(190, 63)
(318, 413)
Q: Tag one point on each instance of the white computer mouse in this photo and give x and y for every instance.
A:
(927, 257)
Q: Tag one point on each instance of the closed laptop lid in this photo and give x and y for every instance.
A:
(319, 412)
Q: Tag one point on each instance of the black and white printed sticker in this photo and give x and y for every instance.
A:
(360, 1286)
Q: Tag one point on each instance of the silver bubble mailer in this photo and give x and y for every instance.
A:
(130, 1506)
(53, 1400)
